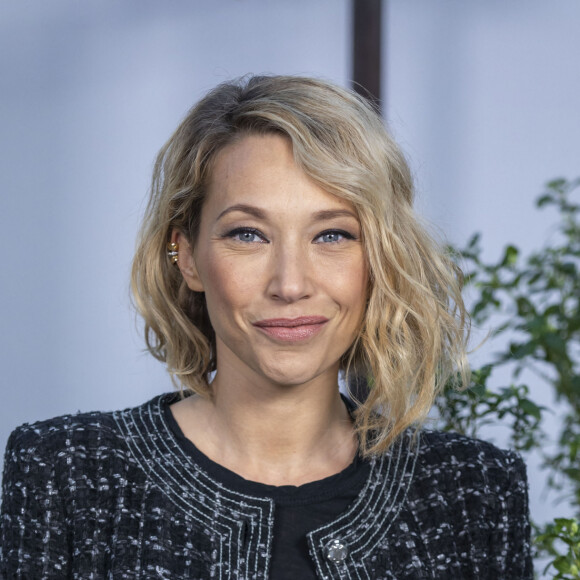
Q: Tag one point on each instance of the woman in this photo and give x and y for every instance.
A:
(279, 249)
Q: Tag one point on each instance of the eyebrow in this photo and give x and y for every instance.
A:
(249, 209)
(325, 214)
(328, 214)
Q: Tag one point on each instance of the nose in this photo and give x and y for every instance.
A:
(290, 274)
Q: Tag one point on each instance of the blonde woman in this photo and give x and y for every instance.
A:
(279, 249)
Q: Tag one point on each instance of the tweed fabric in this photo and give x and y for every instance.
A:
(115, 495)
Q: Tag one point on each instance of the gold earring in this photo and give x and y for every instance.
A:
(173, 252)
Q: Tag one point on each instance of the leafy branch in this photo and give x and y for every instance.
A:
(533, 303)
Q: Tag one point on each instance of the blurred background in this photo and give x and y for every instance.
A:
(482, 96)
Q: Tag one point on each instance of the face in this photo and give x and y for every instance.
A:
(282, 266)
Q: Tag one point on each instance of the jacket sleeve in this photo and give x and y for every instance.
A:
(515, 523)
(34, 542)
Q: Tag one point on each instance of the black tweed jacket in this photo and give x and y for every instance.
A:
(114, 495)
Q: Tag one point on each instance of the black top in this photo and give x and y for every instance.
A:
(121, 496)
(298, 509)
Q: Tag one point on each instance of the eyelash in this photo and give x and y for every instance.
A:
(343, 233)
(240, 231)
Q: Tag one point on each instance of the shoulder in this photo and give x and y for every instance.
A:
(465, 503)
(438, 445)
(70, 440)
(456, 462)
(63, 430)
(68, 433)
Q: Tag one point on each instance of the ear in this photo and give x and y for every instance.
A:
(186, 262)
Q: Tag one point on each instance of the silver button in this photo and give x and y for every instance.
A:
(336, 551)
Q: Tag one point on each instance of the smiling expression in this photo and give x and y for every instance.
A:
(282, 266)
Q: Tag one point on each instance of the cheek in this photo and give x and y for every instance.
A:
(357, 292)
(227, 285)
(350, 283)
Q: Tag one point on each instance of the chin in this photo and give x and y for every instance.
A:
(291, 376)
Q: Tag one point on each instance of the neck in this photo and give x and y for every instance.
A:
(279, 435)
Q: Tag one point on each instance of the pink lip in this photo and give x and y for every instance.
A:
(292, 329)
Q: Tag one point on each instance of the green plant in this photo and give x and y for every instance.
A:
(533, 303)
(562, 536)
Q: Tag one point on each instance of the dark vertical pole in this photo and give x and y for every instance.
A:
(366, 78)
(367, 49)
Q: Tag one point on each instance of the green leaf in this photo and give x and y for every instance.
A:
(530, 408)
(567, 268)
(510, 256)
(544, 200)
(562, 564)
(525, 306)
(474, 240)
(519, 351)
(559, 184)
(555, 342)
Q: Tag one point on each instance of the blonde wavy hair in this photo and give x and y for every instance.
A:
(413, 336)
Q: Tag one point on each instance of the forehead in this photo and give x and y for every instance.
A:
(260, 170)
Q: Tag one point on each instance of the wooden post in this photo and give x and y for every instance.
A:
(367, 49)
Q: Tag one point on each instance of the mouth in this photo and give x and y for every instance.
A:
(292, 329)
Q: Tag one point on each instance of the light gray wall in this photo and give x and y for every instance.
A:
(89, 93)
(483, 97)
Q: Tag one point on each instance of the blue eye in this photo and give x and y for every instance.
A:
(246, 235)
(333, 236)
